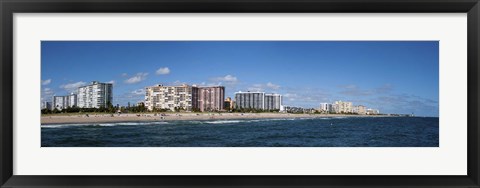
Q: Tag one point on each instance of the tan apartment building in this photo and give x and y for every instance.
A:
(170, 97)
(360, 109)
(343, 107)
(185, 97)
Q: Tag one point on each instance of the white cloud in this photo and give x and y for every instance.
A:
(71, 87)
(137, 78)
(178, 82)
(304, 97)
(163, 71)
(47, 91)
(138, 92)
(46, 82)
(291, 96)
(47, 94)
(256, 87)
(124, 74)
(227, 78)
(354, 90)
(130, 96)
(111, 82)
(263, 87)
(272, 86)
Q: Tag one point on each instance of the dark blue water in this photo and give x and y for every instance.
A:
(315, 132)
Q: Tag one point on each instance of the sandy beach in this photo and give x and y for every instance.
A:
(97, 118)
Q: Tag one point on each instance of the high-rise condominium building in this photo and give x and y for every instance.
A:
(171, 97)
(372, 111)
(343, 107)
(63, 102)
(273, 101)
(360, 109)
(95, 95)
(46, 105)
(210, 98)
(326, 107)
(250, 100)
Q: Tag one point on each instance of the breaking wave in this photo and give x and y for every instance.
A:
(102, 124)
(183, 122)
(240, 121)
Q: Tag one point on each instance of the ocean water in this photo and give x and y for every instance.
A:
(302, 132)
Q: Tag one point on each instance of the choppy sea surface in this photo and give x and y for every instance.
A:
(301, 132)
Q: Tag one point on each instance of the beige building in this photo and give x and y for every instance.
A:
(372, 111)
(185, 97)
(343, 107)
(360, 109)
(170, 97)
(228, 104)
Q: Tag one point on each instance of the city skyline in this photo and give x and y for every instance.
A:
(192, 98)
(394, 77)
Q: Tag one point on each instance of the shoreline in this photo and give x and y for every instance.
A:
(150, 117)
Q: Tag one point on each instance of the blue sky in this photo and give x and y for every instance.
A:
(392, 76)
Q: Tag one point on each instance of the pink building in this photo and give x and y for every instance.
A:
(211, 98)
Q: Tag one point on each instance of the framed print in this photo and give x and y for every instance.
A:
(233, 93)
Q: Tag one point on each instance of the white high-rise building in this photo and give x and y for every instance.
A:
(258, 100)
(47, 105)
(95, 95)
(326, 107)
(273, 101)
(63, 102)
(250, 100)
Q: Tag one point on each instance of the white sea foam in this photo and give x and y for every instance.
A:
(64, 125)
(243, 121)
(142, 123)
(53, 126)
(224, 121)
(106, 124)
(219, 121)
(103, 124)
(280, 119)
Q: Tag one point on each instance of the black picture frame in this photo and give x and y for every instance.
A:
(9, 7)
